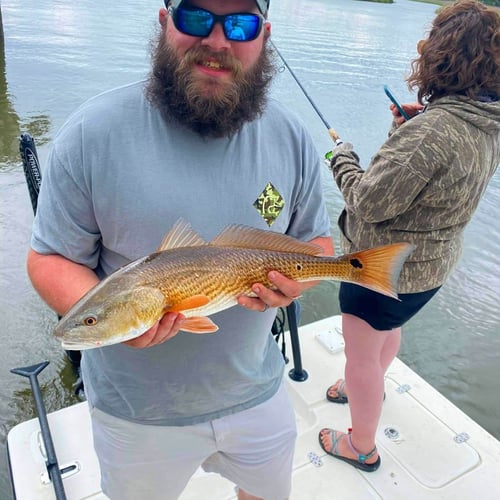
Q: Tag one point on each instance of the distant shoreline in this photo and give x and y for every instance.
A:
(440, 3)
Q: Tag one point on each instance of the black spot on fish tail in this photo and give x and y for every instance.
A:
(356, 263)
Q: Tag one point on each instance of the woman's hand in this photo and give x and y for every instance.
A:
(412, 109)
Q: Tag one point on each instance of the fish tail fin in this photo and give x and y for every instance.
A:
(379, 268)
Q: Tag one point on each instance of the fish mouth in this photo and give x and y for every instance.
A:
(80, 344)
(76, 346)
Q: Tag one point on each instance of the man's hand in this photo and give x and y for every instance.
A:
(286, 292)
(164, 329)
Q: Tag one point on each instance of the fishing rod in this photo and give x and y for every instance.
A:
(335, 137)
(31, 372)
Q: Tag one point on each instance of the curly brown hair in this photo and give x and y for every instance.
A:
(461, 54)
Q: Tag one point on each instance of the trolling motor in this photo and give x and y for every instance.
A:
(31, 167)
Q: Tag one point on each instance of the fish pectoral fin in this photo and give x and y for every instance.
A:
(190, 303)
(199, 324)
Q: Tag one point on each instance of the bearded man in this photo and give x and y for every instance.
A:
(201, 140)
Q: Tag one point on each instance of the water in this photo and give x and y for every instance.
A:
(58, 54)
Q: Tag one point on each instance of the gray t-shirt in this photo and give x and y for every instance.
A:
(117, 178)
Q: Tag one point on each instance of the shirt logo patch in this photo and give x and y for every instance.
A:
(269, 204)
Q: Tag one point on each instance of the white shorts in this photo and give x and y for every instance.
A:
(253, 449)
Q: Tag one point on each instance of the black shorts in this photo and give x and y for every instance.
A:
(380, 311)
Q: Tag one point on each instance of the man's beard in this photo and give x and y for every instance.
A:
(215, 108)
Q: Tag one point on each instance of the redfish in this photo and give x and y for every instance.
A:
(187, 274)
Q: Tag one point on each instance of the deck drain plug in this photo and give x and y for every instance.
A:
(391, 433)
(315, 459)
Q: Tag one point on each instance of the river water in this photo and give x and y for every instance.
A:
(56, 54)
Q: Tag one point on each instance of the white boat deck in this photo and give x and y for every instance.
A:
(429, 448)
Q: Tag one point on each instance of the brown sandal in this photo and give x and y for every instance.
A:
(341, 395)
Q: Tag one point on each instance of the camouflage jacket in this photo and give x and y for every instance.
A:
(422, 186)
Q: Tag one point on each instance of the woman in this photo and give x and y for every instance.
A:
(422, 186)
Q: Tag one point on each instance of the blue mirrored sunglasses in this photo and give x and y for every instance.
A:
(239, 27)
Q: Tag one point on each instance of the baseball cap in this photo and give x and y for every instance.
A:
(263, 5)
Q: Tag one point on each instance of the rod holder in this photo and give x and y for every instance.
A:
(297, 373)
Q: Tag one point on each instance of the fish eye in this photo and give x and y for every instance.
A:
(90, 321)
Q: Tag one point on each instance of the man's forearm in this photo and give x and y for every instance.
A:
(59, 281)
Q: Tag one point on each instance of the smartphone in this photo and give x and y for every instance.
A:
(402, 112)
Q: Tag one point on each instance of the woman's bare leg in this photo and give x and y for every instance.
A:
(368, 354)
